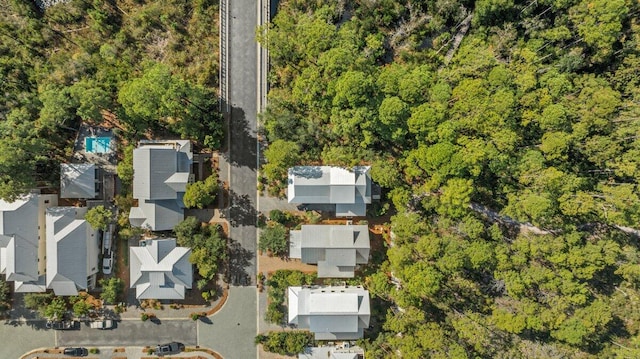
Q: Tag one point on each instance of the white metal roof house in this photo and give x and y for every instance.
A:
(336, 249)
(78, 180)
(72, 251)
(161, 171)
(341, 351)
(349, 190)
(160, 270)
(331, 313)
(22, 241)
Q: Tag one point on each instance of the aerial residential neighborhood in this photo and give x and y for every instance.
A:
(344, 179)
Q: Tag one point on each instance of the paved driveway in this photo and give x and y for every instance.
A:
(18, 338)
(132, 333)
(231, 330)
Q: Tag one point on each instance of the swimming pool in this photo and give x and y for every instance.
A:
(97, 144)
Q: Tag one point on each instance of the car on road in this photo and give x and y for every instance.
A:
(76, 352)
(62, 324)
(101, 324)
(168, 349)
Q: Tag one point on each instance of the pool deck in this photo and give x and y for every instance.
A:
(106, 161)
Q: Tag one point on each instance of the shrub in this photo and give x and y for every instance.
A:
(99, 217)
(202, 193)
(274, 238)
(111, 289)
(285, 343)
(144, 317)
(195, 316)
(277, 215)
(201, 283)
(275, 313)
(94, 350)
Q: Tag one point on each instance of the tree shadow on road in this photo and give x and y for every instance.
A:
(243, 149)
(242, 211)
(239, 259)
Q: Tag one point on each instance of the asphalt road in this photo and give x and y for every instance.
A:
(243, 160)
(21, 337)
(132, 333)
(231, 331)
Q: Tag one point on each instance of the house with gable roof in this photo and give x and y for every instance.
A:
(336, 249)
(161, 171)
(23, 241)
(160, 270)
(349, 190)
(331, 313)
(79, 180)
(72, 251)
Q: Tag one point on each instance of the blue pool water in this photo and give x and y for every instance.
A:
(97, 144)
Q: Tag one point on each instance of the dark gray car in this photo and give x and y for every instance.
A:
(76, 352)
(168, 349)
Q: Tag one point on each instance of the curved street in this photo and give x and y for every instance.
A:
(233, 328)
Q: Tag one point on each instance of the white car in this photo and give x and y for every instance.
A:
(107, 263)
(101, 324)
(106, 242)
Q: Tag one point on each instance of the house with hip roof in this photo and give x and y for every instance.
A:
(331, 313)
(336, 249)
(160, 270)
(23, 241)
(72, 251)
(349, 190)
(161, 171)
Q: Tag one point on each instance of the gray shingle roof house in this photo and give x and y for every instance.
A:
(331, 313)
(161, 171)
(160, 270)
(78, 180)
(335, 249)
(72, 251)
(22, 241)
(349, 190)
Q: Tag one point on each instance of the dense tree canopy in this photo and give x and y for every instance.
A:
(511, 158)
(150, 66)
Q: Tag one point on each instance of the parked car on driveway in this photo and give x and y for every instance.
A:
(76, 352)
(107, 263)
(168, 349)
(101, 324)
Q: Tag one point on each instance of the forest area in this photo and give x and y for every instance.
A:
(511, 163)
(148, 68)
